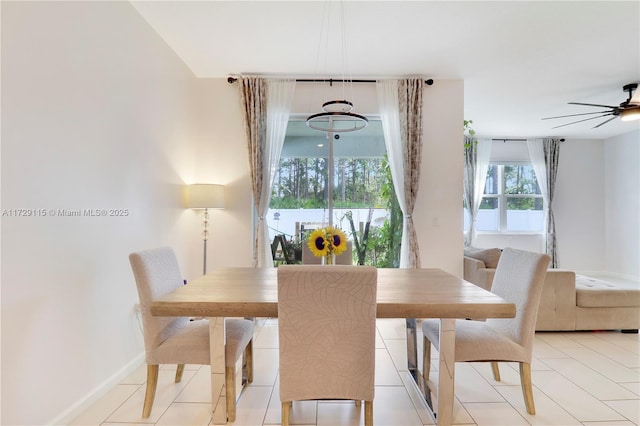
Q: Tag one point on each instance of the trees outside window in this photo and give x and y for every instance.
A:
(362, 192)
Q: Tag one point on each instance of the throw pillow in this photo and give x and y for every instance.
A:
(490, 257)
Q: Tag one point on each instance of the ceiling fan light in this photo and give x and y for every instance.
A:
(630, 114)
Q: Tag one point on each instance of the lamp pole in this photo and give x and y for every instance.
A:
(205, 237)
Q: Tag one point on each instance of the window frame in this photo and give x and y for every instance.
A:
(502, 197)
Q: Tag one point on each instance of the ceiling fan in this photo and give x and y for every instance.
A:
(628, 110)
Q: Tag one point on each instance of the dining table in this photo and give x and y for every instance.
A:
(410, 294)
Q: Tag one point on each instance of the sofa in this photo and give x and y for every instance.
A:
(568, 301)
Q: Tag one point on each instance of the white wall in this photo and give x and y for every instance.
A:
(222, 157)
(622, 205)
(579, 206)
(96, 114)
(438, 210)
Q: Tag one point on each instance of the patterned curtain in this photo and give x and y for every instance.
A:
(545, 154)
(401, 115)
(477, 153)
(470, 161)
(254, 106)
(266, 105)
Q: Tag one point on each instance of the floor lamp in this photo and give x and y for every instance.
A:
(205, 196)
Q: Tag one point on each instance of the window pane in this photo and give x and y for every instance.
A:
(520, 179)
(491, 185)
(525, 214)
(524, 203)
(361, 190)
(488, 215)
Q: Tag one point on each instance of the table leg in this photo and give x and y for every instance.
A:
(216, 343)
(412, 365)
(443, 412)
(446, 370)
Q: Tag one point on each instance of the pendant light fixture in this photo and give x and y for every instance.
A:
(337, 115)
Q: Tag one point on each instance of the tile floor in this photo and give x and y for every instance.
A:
(579, 378)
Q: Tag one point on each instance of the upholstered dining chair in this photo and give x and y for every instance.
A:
(519, 279)
(178, 340)
(326, 326)
(344, 258)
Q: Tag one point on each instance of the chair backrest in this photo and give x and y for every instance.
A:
(519, 279)
(326, 323)
(157, 273)
(344, 258)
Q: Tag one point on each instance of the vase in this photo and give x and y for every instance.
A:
(329, 259)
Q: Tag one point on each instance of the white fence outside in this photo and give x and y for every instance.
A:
(283, 221)
(517, 220)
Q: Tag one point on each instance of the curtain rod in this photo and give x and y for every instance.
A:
(515, 140)
(428, 82)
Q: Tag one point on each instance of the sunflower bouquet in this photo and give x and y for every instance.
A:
(327, 243)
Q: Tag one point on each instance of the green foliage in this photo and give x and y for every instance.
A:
(290, 202)
(391, 231)
(381, 245)
(467, 127)
(469, 130)
(359, 183)
(303, 183)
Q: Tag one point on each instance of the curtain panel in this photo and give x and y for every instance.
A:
(477, 154)
(266, 107)
(400, 104)
(545, 154)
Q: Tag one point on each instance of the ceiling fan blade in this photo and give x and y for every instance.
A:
(586, 119)
(596, 105)
(605, 122)
(574, 115)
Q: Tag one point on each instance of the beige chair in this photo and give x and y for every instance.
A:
(177, 340)
(344, 258)
(327, 326)
(519, 279)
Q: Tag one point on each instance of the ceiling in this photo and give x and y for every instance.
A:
(520, 60)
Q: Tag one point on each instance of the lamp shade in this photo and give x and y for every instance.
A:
(205, 196)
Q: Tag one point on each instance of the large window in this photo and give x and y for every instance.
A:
(512, 201)
(364, 204)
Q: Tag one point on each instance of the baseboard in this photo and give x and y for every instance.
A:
(98, 392)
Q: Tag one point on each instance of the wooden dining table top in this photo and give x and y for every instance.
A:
(402, 293)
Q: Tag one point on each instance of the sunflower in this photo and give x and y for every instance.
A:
(318, 243)
(337, 240)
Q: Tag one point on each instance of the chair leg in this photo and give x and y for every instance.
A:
(368, 413)
(527, 388)
(230, 392)
(179, 372)
(247, 362)
(150, 394)
(496, 371)
(286, 412)
(426, 358)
